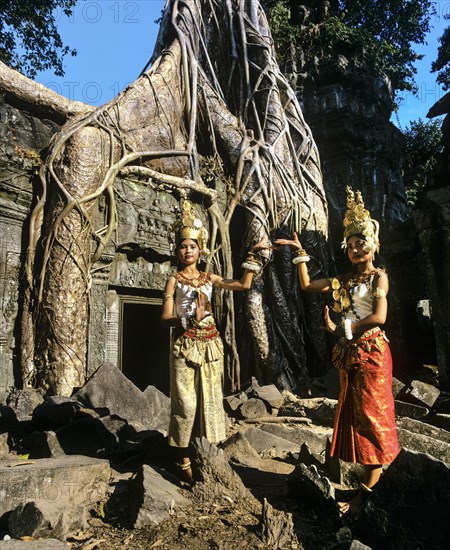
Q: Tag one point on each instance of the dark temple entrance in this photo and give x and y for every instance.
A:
(144, 343)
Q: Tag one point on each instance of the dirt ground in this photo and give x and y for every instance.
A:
(217, 526)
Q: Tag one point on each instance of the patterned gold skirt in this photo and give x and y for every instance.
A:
(364, 429)
(196, 375)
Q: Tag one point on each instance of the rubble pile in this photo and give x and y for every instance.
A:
(100, 457)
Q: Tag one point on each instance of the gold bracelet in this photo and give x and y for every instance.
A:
(167, 297)
(252, 263)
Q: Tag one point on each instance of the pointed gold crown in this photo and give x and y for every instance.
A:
(357, 220)
(188, 226)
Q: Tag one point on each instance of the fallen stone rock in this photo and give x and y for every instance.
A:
(409, 409)
(424, 444)
(315, 436)
(351, 545)
(409, 506)
(47, 544)
(4, 446)
(159, 408)
(253, 408)
(439, 420)
(42, 520)
(423, 428)
(276, 528)
(87, 436)
(109, 388)
(67, 487)
(218, 482)
(425, 394)
(268, 445)
(251, 385)
(23, 402)
(321, 410)
(397, 386)
(54, 413)
(41, 445)
(442, 403)
(308, 486)
(292, 405)
(153, 498)
(233, 402)
(237, 448)
(306, 457)
(271, 395)
(8, 420)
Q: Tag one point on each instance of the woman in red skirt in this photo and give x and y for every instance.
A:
(364, 429)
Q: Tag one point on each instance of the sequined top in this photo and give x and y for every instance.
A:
(353, 297)
(187, 290)
(361, 296)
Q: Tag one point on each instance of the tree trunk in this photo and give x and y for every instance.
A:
(213, 90)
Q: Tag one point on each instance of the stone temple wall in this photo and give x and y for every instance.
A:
(21, 136)
(130, 275)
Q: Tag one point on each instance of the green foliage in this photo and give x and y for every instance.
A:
(29, 39)
(442, 63)
(423, 143)
(379, 34)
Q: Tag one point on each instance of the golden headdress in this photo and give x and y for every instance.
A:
(188, 226)
(357, 220)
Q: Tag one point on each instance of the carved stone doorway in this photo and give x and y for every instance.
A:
(144, 343)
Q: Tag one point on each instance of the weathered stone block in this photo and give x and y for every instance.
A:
(153, 498)
(397, 386)
(69, 486)
(110, 388)
(42, 445)
(24, 402)
(270, 395)
(321, 410)
(423, 428)
(307, 485)
(8, 420)
(269, 445)
(52, 414)
(253, 409)
(424, 444)
(409, 506)
(218, 482)
(47, 544)
(4, 447)
(159, 408)
(315, 436)
(237, 448)
(439, 420)
(408, 409)
(276, 528)
(233, 402)
(424, 393)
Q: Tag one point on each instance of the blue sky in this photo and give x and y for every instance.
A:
(115, 39)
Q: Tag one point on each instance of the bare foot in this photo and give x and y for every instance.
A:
(353, 506)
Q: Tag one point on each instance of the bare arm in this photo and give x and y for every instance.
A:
(168, 318)
(245, 282)
(318, 285)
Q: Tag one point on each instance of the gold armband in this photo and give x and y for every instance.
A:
(379, 293)
(167, 297)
